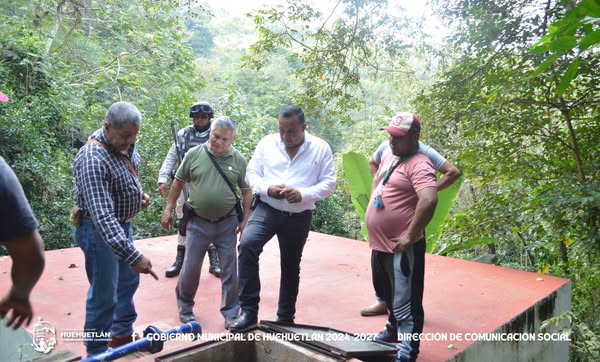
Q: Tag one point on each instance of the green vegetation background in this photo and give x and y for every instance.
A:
(511, 97)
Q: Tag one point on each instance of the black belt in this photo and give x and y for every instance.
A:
(287, 213)
(214, 221)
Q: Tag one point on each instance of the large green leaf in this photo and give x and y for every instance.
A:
(469, 244)
(563, 44)
(356, 168)
(568, 77)
(445, 200)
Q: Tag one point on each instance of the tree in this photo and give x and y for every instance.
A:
(328, 52)
(575, 33)
(62, 63)
(526, 143)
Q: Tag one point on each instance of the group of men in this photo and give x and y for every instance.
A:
(288, 172)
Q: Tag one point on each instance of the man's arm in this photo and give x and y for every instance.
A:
(325, 184)
(27, 253)
(166, 169)
(373, 166)
(255, 170)
(167, 217)
(246, 202)
(449, 175)
(423, 215)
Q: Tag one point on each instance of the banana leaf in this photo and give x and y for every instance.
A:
(356, 168)
(446, 198)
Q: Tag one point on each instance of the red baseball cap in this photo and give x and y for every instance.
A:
(402, 124)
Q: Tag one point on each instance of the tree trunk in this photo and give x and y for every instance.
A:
(574, 145)
(60, 8)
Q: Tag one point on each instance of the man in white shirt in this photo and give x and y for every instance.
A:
(290, 171)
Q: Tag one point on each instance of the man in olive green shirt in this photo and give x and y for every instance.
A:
(214, 218)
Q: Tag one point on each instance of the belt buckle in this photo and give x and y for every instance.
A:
(214, 220)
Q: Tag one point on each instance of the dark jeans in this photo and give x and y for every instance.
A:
(292, 231)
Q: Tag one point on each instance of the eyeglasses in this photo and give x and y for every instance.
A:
(201, 108)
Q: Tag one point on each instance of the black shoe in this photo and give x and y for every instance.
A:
(244, 321)
(229, 322)
(285, 321)
(213, 260)
(187, 317)
(176, 268)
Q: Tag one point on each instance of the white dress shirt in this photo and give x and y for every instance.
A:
(311, 171)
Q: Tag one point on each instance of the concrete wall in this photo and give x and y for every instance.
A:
(533, 346)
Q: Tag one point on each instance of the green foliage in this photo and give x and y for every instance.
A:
(572, 34)
(62, 64)
(154, 140)
(585, 342)
(359, 183)
(327, 52)
(335, 215)
(34, 143)
(526, 142)
(201, 40)
(330, 217)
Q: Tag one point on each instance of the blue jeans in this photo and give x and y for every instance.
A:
(109, 304)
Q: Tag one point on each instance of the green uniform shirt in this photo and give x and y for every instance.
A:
(210, 197)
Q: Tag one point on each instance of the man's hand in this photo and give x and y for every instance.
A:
(292, 195)
(144, 266)
(404, 241)
(21, 309)
(241, 226)
(162, 189)
(167, 220)
(276, 191)
(145, 201)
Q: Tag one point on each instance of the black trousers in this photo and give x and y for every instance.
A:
(399, 279)
(292, 231)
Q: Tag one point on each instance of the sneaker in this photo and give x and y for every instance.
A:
(387, 336)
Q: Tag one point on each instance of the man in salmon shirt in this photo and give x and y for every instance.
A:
(403, 201)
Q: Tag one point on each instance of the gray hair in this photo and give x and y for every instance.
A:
(224, 122)
(122, 113)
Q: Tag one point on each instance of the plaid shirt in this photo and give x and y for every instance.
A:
(106, 191)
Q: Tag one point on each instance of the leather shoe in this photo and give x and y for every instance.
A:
(187, 317)
(244, 321)
(374, 309)
(229, 322)
(119, 341)
(285, 321)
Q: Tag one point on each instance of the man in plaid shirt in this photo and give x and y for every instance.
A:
(109, 194)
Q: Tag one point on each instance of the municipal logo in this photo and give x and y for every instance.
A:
(44, 336)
